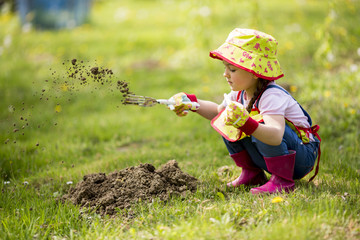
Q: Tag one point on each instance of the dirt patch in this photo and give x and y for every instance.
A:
(121, 189)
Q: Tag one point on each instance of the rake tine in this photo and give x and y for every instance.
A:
(134, 99)
(140, 100)
(134, 96)
(134, 102)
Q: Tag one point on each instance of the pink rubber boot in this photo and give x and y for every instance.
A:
(251, 174)
(282, 169)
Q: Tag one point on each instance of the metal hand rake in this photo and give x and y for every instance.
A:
(144, 101)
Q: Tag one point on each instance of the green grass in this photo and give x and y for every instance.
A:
(161, 48)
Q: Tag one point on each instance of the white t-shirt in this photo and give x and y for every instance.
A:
(274, 101)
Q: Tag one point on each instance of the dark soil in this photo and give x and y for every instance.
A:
(121, 189)
(79, 71)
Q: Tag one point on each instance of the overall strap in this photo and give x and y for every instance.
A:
(314, 130)
(240, 97)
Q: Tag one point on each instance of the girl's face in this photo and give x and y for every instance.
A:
(239, 79)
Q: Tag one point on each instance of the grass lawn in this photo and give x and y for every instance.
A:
(161, 47)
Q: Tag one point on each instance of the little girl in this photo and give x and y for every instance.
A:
(263, 127)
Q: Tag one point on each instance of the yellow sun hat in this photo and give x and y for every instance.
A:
(252, 51)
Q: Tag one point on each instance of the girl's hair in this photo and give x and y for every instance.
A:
(261, 85)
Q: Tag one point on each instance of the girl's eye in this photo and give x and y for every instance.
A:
(231, 70)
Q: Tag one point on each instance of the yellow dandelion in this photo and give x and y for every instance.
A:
(4, 18)
(58, 108)
(170, 50)
(64, 87)
(327, 94)
(346, 105)
(132, 231)
(289, 45)
(352, 111)
(293, 88)
(277, 200)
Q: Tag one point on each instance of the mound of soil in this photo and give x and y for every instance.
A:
(120, 189)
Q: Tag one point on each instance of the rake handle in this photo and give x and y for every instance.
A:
(171, 104)
(166, 102)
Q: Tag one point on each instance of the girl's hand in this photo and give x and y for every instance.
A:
(183, 103)
(236, 114)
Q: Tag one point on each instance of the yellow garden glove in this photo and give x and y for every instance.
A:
(183, 103)
(238, 116)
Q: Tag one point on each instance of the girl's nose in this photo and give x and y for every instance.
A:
(226, 74)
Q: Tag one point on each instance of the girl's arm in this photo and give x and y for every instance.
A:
(272, 131)
(208, 109)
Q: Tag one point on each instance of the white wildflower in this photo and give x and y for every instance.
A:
(353, 68)
(26, 27)
(204, 11)
(121, 14)
(294, 27)
(332, 14)
(7, 41)
(330, 57)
